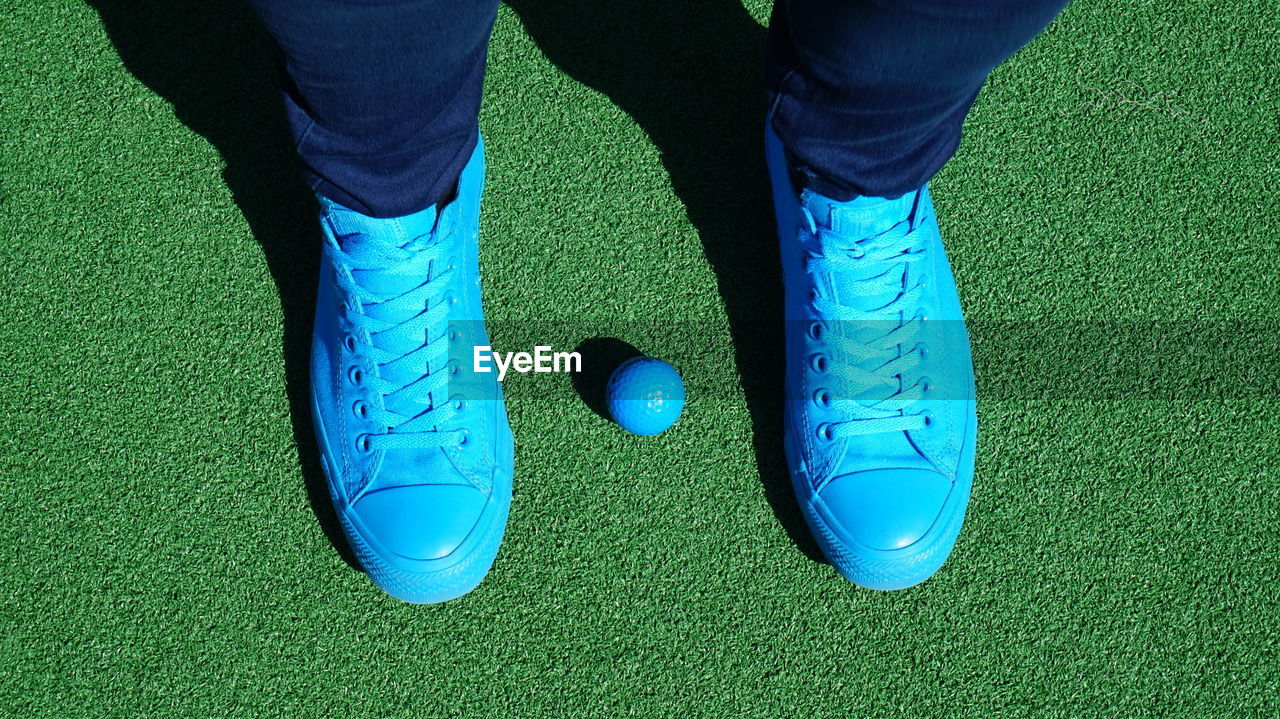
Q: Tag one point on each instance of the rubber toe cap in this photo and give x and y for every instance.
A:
(421, 522)
(887, 508)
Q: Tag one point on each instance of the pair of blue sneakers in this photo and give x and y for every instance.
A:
(418, 453)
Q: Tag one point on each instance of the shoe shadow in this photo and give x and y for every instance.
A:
(212, 61)
(690, 75)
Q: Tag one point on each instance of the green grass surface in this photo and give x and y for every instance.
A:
(157, 477)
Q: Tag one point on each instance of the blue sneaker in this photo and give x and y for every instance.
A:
(415, 444)
(880, 424)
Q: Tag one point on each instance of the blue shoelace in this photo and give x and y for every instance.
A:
(399, 302)
(865, 364)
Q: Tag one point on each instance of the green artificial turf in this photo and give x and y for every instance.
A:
(1112, 221)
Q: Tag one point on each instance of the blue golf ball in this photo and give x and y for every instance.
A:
(645, 395)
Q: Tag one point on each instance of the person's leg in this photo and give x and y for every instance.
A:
(880, 428)
(869, 96)
(382, 95)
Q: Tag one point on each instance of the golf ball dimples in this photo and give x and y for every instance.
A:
(645, 395)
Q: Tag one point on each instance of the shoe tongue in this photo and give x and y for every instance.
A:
(396, 230)
(361, 234)
(855, 220)
(860, 217)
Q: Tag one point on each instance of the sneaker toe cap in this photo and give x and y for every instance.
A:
(421, 522)
(887, 509)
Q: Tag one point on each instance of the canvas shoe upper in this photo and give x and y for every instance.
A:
(880, 421)
(415, 444)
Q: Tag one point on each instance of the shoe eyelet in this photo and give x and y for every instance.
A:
(822, 398)
(453, 334)
(815, 331)
(459, 404)
(454, 367)
(928, 418)
(364, 444)
(825, 432)
(355, 375)
(926, 384)
(349, 342)
(819, 363)
(813, 295)
(923, 349)
(464, 437)
(360, 409)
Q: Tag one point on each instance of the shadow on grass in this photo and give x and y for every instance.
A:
(688, 73)
(691, 75)
(211, 60)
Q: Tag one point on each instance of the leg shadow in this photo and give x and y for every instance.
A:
(690, 75)
(211, 60)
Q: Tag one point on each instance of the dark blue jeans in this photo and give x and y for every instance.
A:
(868, 95)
